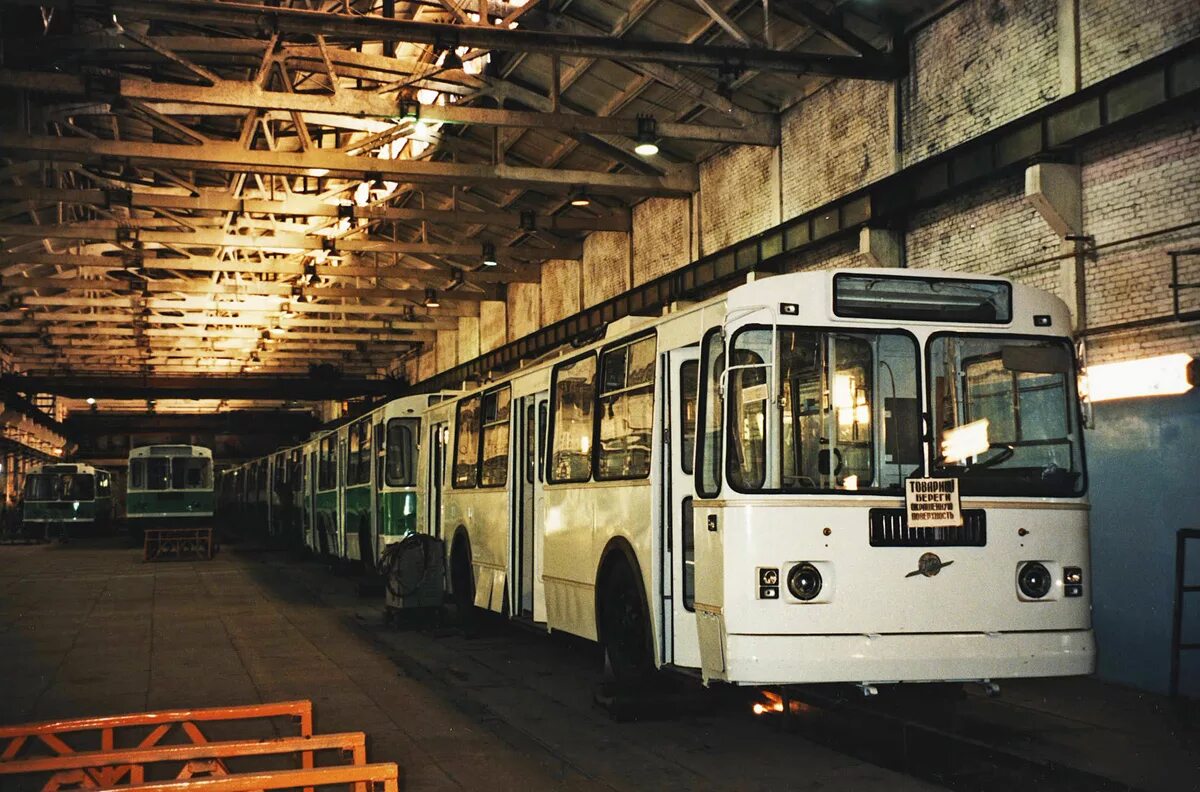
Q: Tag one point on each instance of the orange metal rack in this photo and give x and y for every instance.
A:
(177, 543)
(116, 751)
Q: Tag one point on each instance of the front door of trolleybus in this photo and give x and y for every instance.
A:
(681, 647)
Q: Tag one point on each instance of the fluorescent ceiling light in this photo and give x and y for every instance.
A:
(1166, 375)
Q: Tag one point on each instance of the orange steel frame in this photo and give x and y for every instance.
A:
(172, 542)
(86, 767)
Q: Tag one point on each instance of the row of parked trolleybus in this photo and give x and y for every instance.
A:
(721, 489)
(166, 485)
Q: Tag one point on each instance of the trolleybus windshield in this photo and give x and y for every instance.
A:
(60, 486)
(843, 417)
(1006, 415)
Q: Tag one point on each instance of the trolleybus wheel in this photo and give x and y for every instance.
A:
(461, 578)
(624, 627)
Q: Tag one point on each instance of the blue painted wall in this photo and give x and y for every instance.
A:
(1144, 466)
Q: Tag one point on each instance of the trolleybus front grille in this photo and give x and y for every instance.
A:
(889, 528)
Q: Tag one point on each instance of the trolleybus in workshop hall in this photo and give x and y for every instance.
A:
(857, 476)
(65, 499)
(169, 486)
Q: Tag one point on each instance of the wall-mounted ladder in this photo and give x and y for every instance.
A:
(1182, 588)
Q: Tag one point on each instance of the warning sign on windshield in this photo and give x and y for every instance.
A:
(932, 503)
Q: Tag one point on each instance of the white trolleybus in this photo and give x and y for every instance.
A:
(863, 476)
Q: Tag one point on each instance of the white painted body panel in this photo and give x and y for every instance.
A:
(872, 622)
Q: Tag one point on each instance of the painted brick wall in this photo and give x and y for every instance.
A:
(447, 349)
(739, 195)
(468, 338)
(524, 309)
(493, 325)
(1116, 34)
(560, 289)
(662, 229)
(988, 230)
(427, 364)
(840, 253)
(982, 64)
(835, 141)
(1138, 184)
(605, 266)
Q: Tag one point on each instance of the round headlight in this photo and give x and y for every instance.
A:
(804, 581)
(1034, 580)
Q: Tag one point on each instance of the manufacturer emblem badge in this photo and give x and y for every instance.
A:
(929, 565)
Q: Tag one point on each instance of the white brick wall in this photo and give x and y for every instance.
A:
(1116, 35)
(560, 289)
(493, 325)
(447, 349)
(835, 141)
(662, 229)
(606, 266)
(739, 195)
(524, 309)
(982, 64)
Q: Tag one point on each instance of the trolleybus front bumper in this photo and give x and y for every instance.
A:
(909, 657)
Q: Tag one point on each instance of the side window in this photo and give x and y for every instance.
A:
(571, 443)
(626, 407)
(689, 374)
(351, 460)
(466, 446)
(137, 473)
(363, 428)
(398, 469)
(496, 405)
(325, 462)
(708, 451)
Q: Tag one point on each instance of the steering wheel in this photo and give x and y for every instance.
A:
(837, 453)
(1006, 452)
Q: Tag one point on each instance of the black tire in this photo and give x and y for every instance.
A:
(625, 626)
(462, 580)
(366, 553)
(322, 542)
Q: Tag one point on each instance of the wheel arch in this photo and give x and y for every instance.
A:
(619, 550)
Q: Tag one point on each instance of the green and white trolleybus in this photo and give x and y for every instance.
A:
(169, 486)
(60, 495)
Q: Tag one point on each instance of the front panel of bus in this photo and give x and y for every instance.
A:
(170, 486)
(60, 497)
(806, 567)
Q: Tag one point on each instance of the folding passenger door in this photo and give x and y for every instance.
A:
(681, 645)
(438, 434)
(528, 453)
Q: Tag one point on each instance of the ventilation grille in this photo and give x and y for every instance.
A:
(889, 528)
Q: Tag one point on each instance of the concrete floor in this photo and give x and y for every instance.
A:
(88, 628)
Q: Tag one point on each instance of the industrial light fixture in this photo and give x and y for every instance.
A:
(647, 131)
(431, 298)
(580, 198)
(489, 254)
(1165, 375)
(91, 401)
(452, 60)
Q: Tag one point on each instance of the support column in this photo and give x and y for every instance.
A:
(882, 247)
(1069, 68)
(1055, 190)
